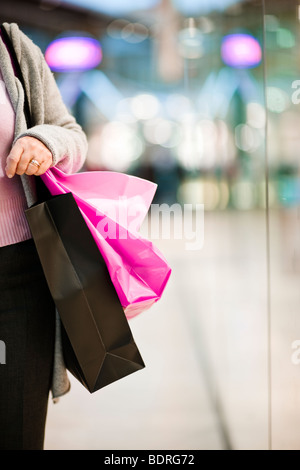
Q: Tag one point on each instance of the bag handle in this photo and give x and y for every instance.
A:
(18, 72)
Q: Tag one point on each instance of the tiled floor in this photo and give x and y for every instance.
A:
(205, 345)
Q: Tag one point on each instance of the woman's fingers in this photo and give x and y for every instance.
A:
(28, 155)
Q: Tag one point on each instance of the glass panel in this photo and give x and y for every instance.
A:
(283, 143)
(224, 286)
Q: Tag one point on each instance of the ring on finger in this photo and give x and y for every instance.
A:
(35, 162)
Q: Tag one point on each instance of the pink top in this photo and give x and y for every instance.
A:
(13, 223)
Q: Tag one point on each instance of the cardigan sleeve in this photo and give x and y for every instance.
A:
(54, 125)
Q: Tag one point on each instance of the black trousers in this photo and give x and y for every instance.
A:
(27, 322)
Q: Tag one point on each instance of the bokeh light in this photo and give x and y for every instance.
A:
(241, 51)
(145, 106)
(119, 146)
(73, 54)
(277, 99)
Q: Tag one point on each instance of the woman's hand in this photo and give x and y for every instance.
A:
(30, 156)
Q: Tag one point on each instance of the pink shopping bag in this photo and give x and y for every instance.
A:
(114, 206)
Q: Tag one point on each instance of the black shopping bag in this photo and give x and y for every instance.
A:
(97, 341)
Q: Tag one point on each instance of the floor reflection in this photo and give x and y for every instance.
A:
(206, 346)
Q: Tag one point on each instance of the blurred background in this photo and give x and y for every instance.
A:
(201, 97)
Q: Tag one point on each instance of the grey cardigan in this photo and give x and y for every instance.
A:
(53, 125)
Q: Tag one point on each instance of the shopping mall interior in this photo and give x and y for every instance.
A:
(202, 98)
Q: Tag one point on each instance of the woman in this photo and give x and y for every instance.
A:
(27, 312)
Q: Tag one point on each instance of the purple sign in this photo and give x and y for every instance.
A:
(73, 54)
(241, 51)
